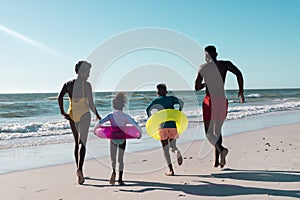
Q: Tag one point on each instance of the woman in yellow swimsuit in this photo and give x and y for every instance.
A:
(81, 102)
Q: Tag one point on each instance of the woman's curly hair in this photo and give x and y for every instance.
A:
(82, 66)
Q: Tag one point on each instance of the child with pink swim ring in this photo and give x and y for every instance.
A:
(118, 119)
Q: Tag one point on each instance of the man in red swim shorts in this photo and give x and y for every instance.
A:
(221, 110)
(215, 104)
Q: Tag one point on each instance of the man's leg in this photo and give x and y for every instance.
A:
(218, 132)
(215, 140)
(217, 156)
(210, 134)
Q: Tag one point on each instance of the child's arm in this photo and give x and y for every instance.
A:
(134, 123)
(101, 121)
(105, 119)
(149, 108)
(181, 103)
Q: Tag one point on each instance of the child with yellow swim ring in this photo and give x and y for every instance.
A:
(168, 130)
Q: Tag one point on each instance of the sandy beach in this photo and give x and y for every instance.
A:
(261, 164)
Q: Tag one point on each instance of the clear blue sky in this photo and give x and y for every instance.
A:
(40, 41)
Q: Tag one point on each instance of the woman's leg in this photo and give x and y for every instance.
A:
(76, 139)
(81, 128)
(84, 125)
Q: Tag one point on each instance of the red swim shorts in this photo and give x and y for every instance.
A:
(216, 112)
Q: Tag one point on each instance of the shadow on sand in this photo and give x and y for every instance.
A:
(260, 175)
(219, 190)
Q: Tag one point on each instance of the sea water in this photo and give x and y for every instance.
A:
(34, 134)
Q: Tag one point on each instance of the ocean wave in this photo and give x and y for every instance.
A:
(136, 94)
(99, 102)
(253, 95)
(17, 128)
(238, 112)
(20, 113)
(13, 131)
(13, 115)
(27, 109)
(109, 96)
(30, 141)
(141, 98)
(193, 112)
(54, 98)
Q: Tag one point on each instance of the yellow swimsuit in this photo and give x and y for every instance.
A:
(78, 107)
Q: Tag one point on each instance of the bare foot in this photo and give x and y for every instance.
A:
(216, 164)
(170, 173)
(80, 177)
(223, 156)
(179, 158)
(217, 155)
(120, 182)
(112, 178)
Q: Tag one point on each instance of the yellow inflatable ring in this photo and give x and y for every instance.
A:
(154, 122)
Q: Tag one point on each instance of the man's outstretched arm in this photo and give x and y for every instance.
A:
(239, 76)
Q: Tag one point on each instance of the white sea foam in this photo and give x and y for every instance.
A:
(59, 127)
(253, 96)
(16, 131)
(238, 112)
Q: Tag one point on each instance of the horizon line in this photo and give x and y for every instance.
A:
(111, 91)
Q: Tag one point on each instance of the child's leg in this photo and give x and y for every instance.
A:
(121, 162)
(173, 146)
(165, 146)
(120, 181)
(113, 155)
(175, 149)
